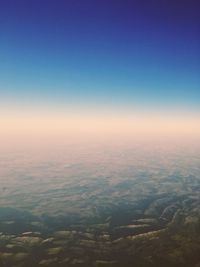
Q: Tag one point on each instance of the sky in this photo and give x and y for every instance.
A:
(93, 57)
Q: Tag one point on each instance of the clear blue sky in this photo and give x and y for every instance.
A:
(137, 52)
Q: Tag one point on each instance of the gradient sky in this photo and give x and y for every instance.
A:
(142, 53)
(99, 68)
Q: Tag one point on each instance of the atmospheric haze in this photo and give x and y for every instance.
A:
(99, 133)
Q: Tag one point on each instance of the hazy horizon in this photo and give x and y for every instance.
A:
(100, 133)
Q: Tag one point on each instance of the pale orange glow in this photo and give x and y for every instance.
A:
(67, 123)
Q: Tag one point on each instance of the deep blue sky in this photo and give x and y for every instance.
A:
(142, 52)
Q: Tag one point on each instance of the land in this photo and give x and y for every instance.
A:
(114, 207)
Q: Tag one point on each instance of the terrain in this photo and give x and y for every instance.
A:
(115, 205)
